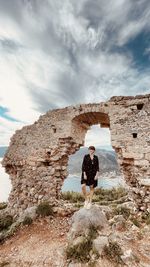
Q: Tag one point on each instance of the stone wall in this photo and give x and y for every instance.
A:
(37, 156)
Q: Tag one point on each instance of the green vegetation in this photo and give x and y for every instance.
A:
(92, 263)
(135, 221)
(44, 209)
(27, 220)
(78, 205)
(110, 194)
(102, 196)
(5, 222)
(93, 232)
(81, 252)
(73, 196)
(6, 234)
(4, 263)
(122, 211)
(113, 252)
(3, 205)
(139, 235)
(146, 217)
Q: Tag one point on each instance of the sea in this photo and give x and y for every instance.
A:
(5, 184)
(71, 183)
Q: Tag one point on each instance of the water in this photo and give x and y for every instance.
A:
(72, 183)
(5, 184)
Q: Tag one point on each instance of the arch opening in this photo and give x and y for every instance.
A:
(93, 128)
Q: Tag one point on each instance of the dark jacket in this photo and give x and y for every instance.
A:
(90, 166)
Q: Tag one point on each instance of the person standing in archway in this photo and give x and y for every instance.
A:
(90, 172)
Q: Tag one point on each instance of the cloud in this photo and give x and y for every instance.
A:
(60, 53)
(7, 128)
(97, 136)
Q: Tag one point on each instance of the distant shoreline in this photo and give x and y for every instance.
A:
(71, 183)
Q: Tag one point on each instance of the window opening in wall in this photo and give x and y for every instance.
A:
(140, 106)
(54, 128)
(134, 135)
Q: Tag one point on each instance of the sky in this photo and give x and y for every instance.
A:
(59, 53)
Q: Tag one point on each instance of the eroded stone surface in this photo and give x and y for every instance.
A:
(37, 156)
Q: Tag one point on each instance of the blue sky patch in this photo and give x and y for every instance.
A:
(138, 47)
(3, 114)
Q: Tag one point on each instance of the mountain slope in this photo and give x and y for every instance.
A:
(107, 160)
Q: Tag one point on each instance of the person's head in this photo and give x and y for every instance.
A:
(91, 149)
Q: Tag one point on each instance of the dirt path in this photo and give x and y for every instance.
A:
(40, 244)
(43, 243)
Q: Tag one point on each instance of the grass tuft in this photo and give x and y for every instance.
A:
(44, 209)
(27, 220)
(122, 211)
(73, 196)
(146, 217)
(135, 221)
(5, 222)
(3, 205)
(113, 252)
(81, 252)
(103, 196)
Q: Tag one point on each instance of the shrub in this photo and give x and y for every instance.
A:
(135, 221)
(78, 205)
(107, 196)
(111, 194)
(92, 263)
(27, 220)
(122, 211)
(93, 232)
(5, 222)
(146, 217)
(3, 205)
(104, 196)
(72, 196)
(81, 252)
(139, 235)
(113, 252)
(44, 209)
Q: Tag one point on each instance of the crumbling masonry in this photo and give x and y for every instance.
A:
(37, 156)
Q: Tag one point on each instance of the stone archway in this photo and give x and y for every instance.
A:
(37, 157)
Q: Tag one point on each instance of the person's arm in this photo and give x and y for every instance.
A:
(83, 167)
(97, 168)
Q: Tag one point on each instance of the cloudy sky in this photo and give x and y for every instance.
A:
(59, 53)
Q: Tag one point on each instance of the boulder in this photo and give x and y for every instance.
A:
(84, 218)
(100, 242)
(129, 205)
(29, 212)
(128, 256)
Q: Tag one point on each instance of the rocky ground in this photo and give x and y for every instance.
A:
(46, 240)
(40, 244)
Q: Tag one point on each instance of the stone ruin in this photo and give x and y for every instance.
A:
(37, 157)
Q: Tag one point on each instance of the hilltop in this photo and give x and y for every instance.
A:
(111, 234)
